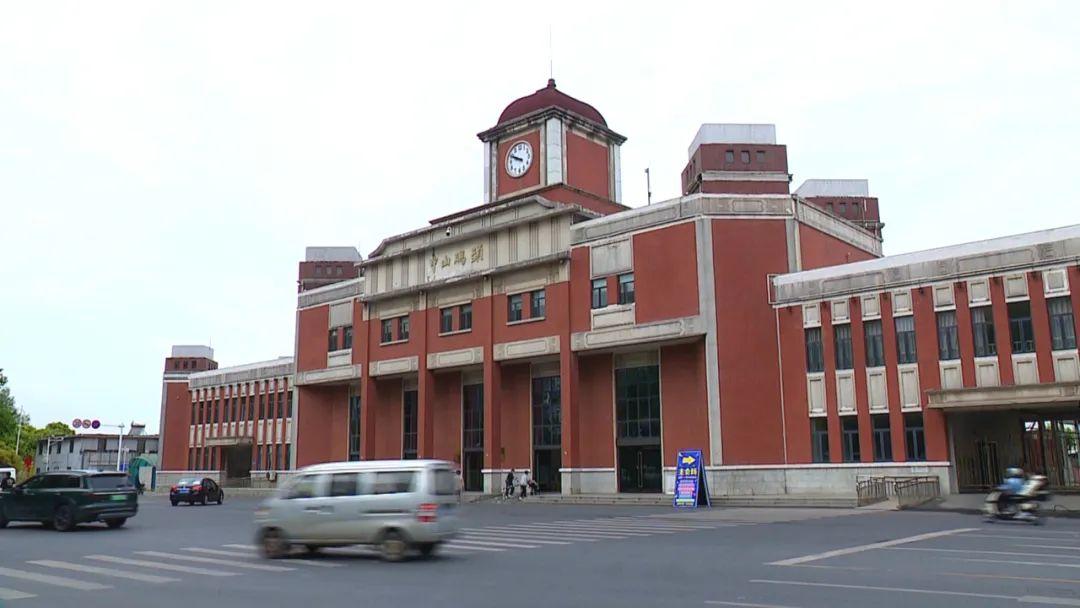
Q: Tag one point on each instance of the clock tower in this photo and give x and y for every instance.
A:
(552, 144)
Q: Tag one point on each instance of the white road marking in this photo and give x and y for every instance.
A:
(489, 536)
(1053, 601)
(458, 541)
(744, 604)
(590, 529)
(897, 589)
(529, 534)
(160, 566)
(987, 551)
(672, 525)
(1051, 547)
(531, 528)
(48, 579)
(135, 576)
(860, 548)
(453, 545)
(211, 560)
(1039, 579)
(290, 560)
(12, 594)
(251, 547)
(1012, 561)
(629, 530)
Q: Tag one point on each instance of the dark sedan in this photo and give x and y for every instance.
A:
(65, 499)
(194, 490)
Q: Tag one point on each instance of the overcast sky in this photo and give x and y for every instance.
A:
(163, 165)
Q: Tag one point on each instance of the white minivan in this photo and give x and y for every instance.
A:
(394, 504)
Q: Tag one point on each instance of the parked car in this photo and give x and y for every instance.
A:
(65, 499)
(396, 505)
(194, 490)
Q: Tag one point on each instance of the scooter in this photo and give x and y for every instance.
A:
(1021, 506)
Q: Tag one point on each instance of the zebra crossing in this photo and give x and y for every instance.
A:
(97, 572)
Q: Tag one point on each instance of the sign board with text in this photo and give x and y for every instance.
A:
(691, 487)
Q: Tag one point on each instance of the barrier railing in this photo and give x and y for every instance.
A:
(909, 491)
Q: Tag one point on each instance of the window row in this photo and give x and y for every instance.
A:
(238, 409)
(625, 286)
(515, 304)
(340, 338)
(744, 156)
(851, 451)
(1021, 334)
(271, 457)
(460, 318)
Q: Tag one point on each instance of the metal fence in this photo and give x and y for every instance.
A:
(909, 491)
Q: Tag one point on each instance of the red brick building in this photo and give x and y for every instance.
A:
(554, 329)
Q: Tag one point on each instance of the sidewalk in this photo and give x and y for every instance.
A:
(1067, 505)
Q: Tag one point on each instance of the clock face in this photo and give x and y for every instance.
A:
(519, 159)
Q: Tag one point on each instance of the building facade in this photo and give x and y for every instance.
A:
(555, 329)
(92, 450)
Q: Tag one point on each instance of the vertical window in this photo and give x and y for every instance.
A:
(258, 463)
(446, 320)
(1062, 329)
(387, 334)
(354, 427)
(465, 317)
(277, 458)
(760, 156)
(538, 304)
(637, 404)
(982, 326)
(729, 156)
(261, 411)
(403, 328)
(905, 339)
(599, 293)
(875, 349)
(744, 156)
(815, 359)
(947, 337)
(513, 308)
(286, 463)
(882, 438)
(626, 288)
(331, 341)
(913, 436)
(409, 402)
(843, 209)
(1023, 338)
(850, 427)
(287, 396)
(842, 334)
(819, 439)
(347, 337)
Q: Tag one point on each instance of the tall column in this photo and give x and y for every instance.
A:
(892, 378)
(492, 419)
(828, 354)
(568, 381)
(425, 412)
(862, 391)
(1001, 330)
(926, 345)
(368, 391)
(964, 334)
(1040, 323)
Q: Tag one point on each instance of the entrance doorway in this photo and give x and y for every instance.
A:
(640, 468)
(1051, 449)
(547, 432)
(637, 423)
(237, 462)
(472, 444)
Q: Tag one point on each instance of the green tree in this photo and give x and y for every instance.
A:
(9, 416)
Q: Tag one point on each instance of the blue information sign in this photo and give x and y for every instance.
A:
(691, 489)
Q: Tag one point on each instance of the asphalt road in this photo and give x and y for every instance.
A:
(557, 555)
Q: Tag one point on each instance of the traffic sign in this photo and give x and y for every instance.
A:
(76, 423)
(86, 422)
(95, 424)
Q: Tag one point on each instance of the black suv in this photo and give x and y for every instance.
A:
(65, 499)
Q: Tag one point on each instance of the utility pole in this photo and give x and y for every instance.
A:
(648, 187)
(18, 431)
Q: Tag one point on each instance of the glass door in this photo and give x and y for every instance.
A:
(637, 425)
(472, 445)
(547, 432)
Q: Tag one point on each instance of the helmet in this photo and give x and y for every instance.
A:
(1014, 472)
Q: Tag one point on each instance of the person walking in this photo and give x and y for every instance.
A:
(508, 491)
(524, 485)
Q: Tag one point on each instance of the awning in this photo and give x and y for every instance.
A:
(1056, 395)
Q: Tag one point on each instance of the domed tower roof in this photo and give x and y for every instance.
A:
(550, 97)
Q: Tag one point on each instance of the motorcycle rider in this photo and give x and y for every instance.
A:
(1012, 486)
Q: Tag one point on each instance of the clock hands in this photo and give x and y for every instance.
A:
(520, 160)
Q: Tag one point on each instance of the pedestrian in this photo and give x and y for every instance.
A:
(508, 490)
(524, 484)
